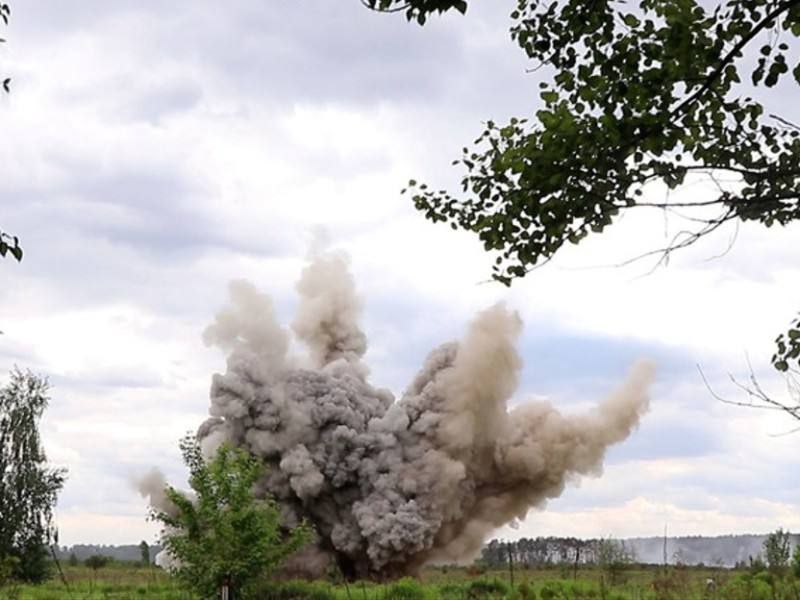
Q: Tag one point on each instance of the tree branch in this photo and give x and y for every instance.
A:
(728, 58)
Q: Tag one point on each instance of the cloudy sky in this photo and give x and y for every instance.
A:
(153, 151)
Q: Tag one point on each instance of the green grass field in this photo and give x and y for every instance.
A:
(119, 581)
(115, 581)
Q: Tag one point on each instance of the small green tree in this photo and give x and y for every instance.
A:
(224, 535)
(73, 561)
(796, 561)
(776, 551)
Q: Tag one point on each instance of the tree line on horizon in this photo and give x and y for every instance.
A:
(732, 550)
(120, 552)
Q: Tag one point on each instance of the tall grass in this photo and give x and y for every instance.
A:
(119, 582)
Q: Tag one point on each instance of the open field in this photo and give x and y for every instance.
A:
(118, 582)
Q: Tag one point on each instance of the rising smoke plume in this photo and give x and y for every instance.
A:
(393, 484)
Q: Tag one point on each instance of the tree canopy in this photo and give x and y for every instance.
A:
(28, 486)
(417, 10)
(636, 95)
(788, 348)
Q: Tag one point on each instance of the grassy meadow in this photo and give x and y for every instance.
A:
(122, 581)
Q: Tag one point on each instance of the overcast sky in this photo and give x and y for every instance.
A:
(153, 151)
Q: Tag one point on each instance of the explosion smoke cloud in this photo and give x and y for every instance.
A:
(392, 484)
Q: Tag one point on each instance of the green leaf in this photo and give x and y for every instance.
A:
(631, 21)
(549, 96)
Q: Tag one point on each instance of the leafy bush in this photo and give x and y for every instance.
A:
(748, 587)
(766, 577)
(96, 562)
(451, 591)
(405, 589)
(225, 535)
(796, 561)
(551, 590)
(526, 592)
(487, 588)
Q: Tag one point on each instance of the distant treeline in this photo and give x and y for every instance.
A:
(726, 550)
(131, 553)
(540, 552)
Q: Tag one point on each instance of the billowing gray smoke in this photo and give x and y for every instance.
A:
(392, 484)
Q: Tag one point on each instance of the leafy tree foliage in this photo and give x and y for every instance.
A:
(8, 243)
(5, 15)
(416, 10)
(28, 487)
(796, 561)
(787, 360)
(638, 95)
(788, 347)
(224, 534)
(9, 585)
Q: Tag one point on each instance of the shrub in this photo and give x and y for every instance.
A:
(487, 588)
(405, 589)
(96, 562)
(747, 587)
(451, 591)
(526, 592)
(551, 590)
